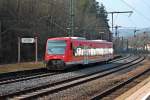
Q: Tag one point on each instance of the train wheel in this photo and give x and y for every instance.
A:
(55, 65)
(60, 65)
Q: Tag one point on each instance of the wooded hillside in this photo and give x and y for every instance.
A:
(47, 18)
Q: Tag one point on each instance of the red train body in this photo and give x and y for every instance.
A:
(65, 51)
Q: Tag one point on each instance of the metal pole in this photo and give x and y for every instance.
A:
(36, 50)
(116, 42)
(117, 12)
(112, 21)
(0, 42)
(122, 44)
(19, 49)
(71, 32)
(116, 31)
(127, 44)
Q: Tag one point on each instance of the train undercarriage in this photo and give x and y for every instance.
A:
(56, 64)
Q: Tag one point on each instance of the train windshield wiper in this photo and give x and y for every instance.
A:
(50, 50)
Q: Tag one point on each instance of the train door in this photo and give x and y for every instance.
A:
(85, 54)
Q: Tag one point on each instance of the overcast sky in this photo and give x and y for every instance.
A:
(141, 12)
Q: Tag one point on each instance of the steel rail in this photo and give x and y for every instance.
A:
(27, 77)
(19, 74)
(118, 86)
(122, 58)
(59, 86)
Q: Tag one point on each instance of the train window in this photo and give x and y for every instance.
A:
(56, 46)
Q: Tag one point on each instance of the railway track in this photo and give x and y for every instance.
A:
(122, 58)
(62, 85)
(37, 73)
(107, 93)
(22, 74)
(26, 78)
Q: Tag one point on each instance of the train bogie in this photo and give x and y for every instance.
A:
(55, 64)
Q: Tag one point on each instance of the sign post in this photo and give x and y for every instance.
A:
(36, 50)
(18, 49)
(28, 40)
(0, 41)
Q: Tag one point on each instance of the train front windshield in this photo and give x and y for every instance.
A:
(56, 46)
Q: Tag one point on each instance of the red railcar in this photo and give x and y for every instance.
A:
(65, 51)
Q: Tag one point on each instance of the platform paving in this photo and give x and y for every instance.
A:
(140, 92)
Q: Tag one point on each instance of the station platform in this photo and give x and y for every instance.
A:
(140, 92)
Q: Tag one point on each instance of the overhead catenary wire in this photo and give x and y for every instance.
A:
(132, 22)
(137, 11)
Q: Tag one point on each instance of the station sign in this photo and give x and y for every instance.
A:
(27, 40)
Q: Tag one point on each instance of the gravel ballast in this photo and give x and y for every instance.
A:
(18, 86)
(89, 89)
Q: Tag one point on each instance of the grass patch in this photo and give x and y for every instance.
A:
(20, 66)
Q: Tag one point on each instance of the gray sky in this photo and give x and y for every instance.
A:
(140, 18)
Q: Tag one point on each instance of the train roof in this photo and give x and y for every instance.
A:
(74, 38)
(79, 38)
